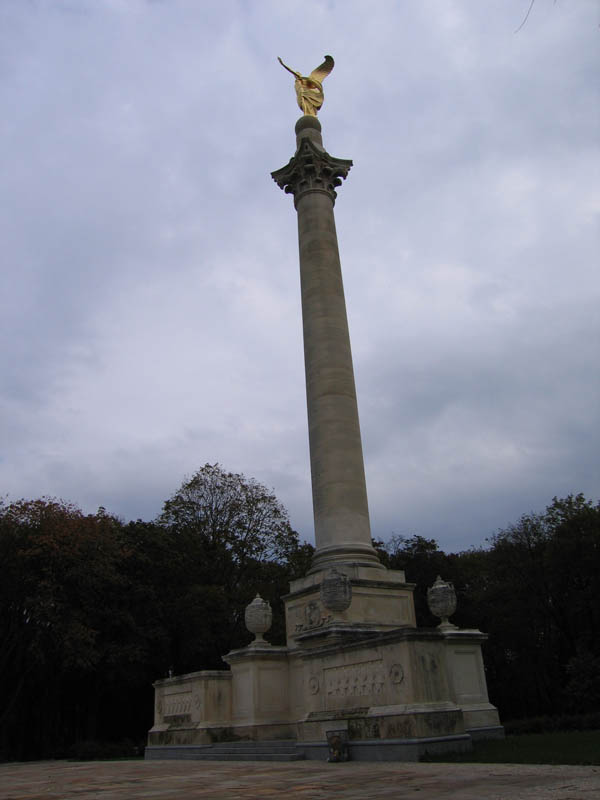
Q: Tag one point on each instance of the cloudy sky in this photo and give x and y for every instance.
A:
(149, 291)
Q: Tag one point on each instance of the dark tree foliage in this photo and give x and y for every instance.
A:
(422, 561)
(236, 540)
(542, 610)
(92, 610)
(68, 633)
(536, 592)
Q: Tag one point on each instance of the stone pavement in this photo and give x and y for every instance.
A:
(306, 780)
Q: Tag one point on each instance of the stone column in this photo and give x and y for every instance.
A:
(342, 528)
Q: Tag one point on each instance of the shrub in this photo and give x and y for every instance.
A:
(105, 751)
(548, 724)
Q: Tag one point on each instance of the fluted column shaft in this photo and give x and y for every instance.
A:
(341, 513)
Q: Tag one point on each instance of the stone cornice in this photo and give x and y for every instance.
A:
(267, 653)
(370, 584)
(351, 637)
(312, 170)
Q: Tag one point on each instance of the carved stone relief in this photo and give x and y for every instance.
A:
(313, 616)
(176, 704)
(396, 673)
(355, 680)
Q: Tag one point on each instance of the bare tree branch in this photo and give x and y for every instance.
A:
(526, 16)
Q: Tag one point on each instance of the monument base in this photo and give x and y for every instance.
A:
(396, 695)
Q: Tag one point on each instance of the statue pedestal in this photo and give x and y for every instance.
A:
(398, 691)
(381, 600)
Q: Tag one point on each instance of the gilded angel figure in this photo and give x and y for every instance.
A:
(309, 90)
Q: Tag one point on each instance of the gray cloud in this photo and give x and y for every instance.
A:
(150, 301)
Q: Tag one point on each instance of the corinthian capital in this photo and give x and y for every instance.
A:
(312, 170)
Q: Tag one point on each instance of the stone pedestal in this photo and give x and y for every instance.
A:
(381, 600)
(260, 697)
(398, 695)
(192, 708)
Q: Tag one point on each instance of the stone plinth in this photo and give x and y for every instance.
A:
(191, 708)
(260, 680)
(381, 600)
(468, 684)
(398, 694)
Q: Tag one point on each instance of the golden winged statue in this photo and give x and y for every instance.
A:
(309, 90)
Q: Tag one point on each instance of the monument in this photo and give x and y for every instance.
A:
(355, 668)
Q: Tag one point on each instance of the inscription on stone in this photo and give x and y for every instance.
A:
(176, 704)
(355, 680)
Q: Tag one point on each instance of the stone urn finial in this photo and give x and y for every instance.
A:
(336, 591)
(441, 599)
(258, 618)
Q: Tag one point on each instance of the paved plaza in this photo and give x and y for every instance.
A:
(122, 780)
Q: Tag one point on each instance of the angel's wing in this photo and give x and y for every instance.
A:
(322, 71)
(289, 69)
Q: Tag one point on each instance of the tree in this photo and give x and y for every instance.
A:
(65, 623)
(238, 521)
(534, 590)
(235, 539)
(539, 602)
(93, 610)
(229, 509)
(422, 561)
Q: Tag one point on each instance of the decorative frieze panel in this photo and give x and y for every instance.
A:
(177, 704)
(355, 680)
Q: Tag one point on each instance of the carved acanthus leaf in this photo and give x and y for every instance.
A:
(312, 170)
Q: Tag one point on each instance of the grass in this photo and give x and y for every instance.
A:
(563, 747)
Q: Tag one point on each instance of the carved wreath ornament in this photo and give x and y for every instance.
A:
(336, 591)
(396, 673)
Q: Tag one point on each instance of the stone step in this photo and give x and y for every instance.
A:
(228, 751)
(266, 745)
(242, 756)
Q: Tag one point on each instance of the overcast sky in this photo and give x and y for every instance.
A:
(150, 303)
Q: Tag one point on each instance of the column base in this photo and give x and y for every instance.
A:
(339, 556)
